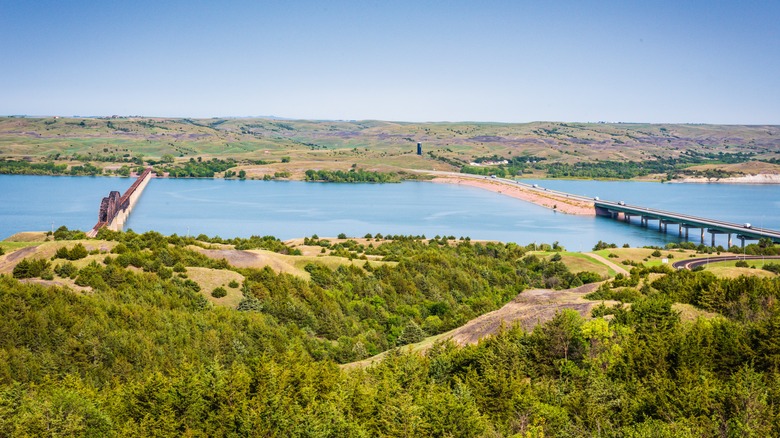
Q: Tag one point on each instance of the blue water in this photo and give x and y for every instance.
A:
(295, 209)
(38, 203)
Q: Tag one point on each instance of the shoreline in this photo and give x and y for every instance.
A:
(759, 178)
(546, 200)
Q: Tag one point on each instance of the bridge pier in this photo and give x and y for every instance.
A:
(714, 232)
(646, 221)
(621, 211)
(743, 238)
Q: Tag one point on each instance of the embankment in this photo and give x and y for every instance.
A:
(547, 200)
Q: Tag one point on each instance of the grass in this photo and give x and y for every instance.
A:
(208, 279)
(638, 255)
(730, 270)
(578, 262)
(376, 145)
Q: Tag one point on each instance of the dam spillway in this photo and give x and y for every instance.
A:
(115, 209)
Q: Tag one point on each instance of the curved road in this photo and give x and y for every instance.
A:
(693, 263)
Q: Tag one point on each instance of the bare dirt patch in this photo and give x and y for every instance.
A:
(529, 309)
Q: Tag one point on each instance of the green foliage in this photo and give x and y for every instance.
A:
(63, 233)
(771, 267)
(76, 253)
(624, 295)
(145, 354)
(31, 268)
(603, 245)
(219, 292)
(195, 168)
(354, 176)
(411, 334)
(47, 168)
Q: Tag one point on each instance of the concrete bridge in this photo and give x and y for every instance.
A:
(115, 208)
(743, 232)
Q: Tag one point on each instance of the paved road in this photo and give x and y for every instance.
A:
(693, 263)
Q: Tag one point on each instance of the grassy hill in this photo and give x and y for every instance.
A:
(265, 146)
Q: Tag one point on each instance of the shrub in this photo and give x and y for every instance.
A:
(588, 277)
(233, 284)
(555, 258)
(65, 270)
(342, 236)
(30, 268)
(412, 333)
(656, 253)
(603, 245)
(741, 264)
(625, 295)
(772, 267)
(219, 292)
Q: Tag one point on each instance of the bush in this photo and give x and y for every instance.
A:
(233, 284)
(603, 245)
(625, 295)
(219, 292)
(412, 333)
(741, 264)
(30, 268)
(588, 277)
(772, 267)
(66, 270)
(555, 258)
(656, 253)
(342, 236)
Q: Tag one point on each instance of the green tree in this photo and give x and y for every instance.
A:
(411, 334)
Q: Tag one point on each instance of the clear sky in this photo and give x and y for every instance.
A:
(409, 60)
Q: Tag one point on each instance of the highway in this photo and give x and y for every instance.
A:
(689, 220)
(605, 207)
(694, 263)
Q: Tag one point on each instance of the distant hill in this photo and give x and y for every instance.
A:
(574, 149)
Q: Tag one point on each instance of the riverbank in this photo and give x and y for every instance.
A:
(547, 200)
(761, 178)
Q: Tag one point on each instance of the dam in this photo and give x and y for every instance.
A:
(115, 208)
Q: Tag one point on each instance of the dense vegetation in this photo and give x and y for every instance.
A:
(673, 167)
(48, 168)
(354, 175)
(144, 353)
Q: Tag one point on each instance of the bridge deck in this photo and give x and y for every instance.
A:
(689, 221)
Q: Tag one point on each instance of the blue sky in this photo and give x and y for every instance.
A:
(509, 61)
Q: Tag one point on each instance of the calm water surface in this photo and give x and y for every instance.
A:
(295, 209)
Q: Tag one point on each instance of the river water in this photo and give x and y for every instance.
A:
(288, 209)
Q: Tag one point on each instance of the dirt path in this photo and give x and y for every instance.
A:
(617, 268)
(7, 264)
